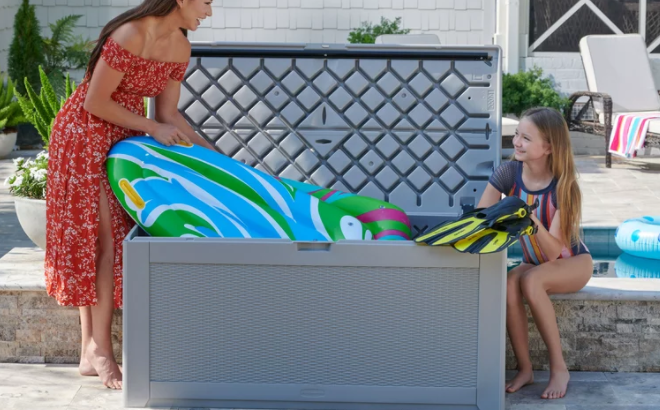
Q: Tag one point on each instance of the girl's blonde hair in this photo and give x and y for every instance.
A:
(554, 131)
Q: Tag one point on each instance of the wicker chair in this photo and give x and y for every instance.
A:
(607, 60)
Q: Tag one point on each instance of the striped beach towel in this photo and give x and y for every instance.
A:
(629, 132)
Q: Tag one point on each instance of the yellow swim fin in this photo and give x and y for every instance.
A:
(509, 208)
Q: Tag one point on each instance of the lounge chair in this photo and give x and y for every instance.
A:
(620, 81)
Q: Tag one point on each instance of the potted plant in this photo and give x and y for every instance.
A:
(28, 186)
(10, 117)
(28, 183)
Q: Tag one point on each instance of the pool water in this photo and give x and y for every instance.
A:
(624, 266)
(609, 261)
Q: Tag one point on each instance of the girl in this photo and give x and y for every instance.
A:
(142, 52)
(554, 259)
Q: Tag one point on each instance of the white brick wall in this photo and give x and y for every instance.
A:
(8, 10)
(567, 70)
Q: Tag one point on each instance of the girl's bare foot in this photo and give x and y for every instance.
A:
(557, 386)
(105, 365)
(522, 379)
(85, 368)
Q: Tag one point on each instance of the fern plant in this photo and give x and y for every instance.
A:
(40, 109)
(10, 112)
(64, 52)
(367, 32)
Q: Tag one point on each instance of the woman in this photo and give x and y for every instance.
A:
(554, 259)
(142, 52)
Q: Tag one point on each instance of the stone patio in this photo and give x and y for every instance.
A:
(59, 387)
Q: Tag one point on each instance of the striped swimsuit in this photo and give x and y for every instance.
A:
(507, 179)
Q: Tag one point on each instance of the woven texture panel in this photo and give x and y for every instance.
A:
(420, 134)
(314, 325)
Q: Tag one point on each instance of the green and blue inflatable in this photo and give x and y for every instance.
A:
(190, 191)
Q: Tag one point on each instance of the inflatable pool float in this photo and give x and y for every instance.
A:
(640, 237)
(190, 191)
(628, 266)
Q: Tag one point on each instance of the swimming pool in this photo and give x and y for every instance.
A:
(609, 260)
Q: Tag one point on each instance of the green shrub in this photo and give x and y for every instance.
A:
(367, 32)
(529, 89)
(25, 51)
(41, 109)
(64, 52)
(10, 112)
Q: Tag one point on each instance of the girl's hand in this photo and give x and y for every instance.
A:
(534, 219)
(168, 135)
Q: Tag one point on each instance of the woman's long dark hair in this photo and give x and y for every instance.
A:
(155, 8)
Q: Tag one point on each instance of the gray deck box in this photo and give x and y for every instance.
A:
(243, 323)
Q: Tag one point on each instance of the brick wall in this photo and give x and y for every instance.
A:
(8, 10)
(601, 336)
(565, 68)
(596, 335)
(454, 21)
(34, 329)
(568, 71)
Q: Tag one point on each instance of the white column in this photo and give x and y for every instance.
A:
(508, 34)
(513, 36)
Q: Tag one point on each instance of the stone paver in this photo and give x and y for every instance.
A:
(59, 387)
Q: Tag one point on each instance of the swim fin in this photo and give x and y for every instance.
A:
(509, 208)
(496, 238)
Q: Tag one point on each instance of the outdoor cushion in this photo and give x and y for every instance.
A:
(619, 66)
(509, 126)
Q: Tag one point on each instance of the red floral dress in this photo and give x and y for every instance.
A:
(79, 145)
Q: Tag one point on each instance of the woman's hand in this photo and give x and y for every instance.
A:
(168, 135)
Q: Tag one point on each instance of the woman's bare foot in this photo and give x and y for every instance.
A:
(522, 379)
(85, 368)
(557, 386)
(105, 366)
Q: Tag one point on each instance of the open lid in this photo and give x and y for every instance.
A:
(417, 126)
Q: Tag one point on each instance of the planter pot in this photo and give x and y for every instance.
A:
(31, 215)
(7, 143)
(28, 137)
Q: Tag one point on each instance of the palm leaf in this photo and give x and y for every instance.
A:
(62, 29)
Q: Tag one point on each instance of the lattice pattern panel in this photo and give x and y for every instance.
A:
(624, 14)
(420, 133)
(314, 325)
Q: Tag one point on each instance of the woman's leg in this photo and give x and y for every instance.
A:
(560, 276)
(99, 352)
(517, 328)
(85, 368)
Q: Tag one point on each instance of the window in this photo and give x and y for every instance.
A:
(558, 25)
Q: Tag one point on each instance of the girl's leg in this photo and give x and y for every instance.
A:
(560, 276)
(86, 368)
(517, 328)
(99, 352)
